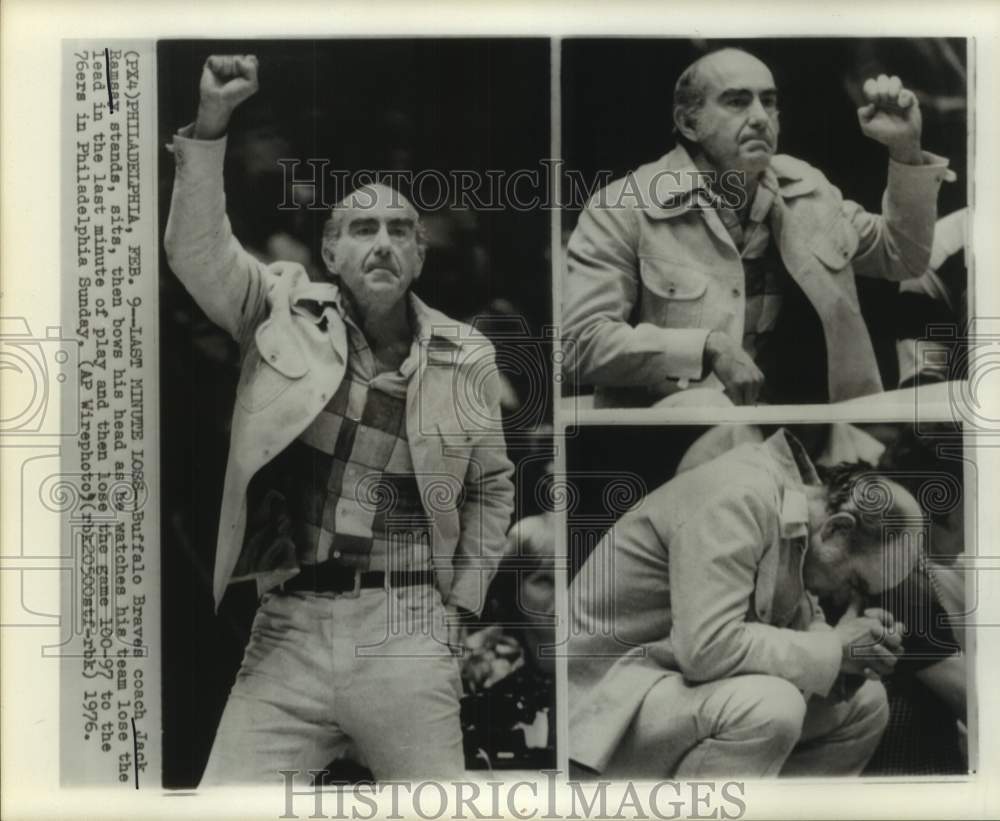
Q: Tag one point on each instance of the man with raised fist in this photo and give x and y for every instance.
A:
(679, 273)
(368, 491)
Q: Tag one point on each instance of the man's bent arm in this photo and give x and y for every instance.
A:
(602, 288)
(714, 564)
(897, 245)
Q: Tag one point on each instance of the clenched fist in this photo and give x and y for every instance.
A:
(871, 643)
(226, 81)
(891, 116)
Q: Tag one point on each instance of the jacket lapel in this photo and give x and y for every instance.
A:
(672, 187)
(433, 419)
(851, 370)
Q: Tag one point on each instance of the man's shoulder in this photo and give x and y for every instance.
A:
(445, 331)
(795, 175)
(743, 477)
(636, 188)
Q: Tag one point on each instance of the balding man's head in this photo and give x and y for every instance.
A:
(367, 198)
(374, 244)
(725, 110)
(869, 537)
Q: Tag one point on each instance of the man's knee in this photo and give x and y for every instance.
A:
(870, 705)
(769, 704)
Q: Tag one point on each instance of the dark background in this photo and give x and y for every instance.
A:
(362, 104)
(617, 103)
(617, 115)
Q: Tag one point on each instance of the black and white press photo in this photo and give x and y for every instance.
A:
(356, 412)
(543, 410)
(770, 601)
(764, 221)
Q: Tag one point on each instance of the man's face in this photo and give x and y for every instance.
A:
(843, 560)
(377, 255)
(832, 570)
(737, 126)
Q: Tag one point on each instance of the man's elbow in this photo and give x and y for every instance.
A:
(173, 246)
(917, 263)
(585, 360)
(701, 662)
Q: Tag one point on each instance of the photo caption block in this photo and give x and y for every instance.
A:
(108, 489)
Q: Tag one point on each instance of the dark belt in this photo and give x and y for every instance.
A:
(333, 577)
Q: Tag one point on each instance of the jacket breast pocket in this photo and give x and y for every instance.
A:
(260, 384)
(674, 293)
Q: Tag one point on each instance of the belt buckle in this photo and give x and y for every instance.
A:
(354, 592)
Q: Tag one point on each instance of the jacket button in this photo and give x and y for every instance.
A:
(336, 554)
(671, 290)
(736, 292)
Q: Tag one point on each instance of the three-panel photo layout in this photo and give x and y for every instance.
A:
(589, 404)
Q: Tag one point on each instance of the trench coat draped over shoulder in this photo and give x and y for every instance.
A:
(291, 365)
(650, 274)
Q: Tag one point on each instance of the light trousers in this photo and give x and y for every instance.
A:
(751, 726)
(326, 676)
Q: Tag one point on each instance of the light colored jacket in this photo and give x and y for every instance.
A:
(291, 366)
(701, 579)
(649, 275)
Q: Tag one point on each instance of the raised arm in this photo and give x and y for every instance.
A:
(896, 245)
(225, 280)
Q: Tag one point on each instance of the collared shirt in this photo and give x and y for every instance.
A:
(765, 277)
(345, 489)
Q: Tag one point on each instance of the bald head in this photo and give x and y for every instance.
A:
(689, 91)
(368, 198)
(868, 535)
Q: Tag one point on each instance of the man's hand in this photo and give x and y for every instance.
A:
(226, 81)
(891, 116)
(870, 643)
(739, 375)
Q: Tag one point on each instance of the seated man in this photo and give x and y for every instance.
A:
(357, 495)
(697, 647)
(679, 273)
